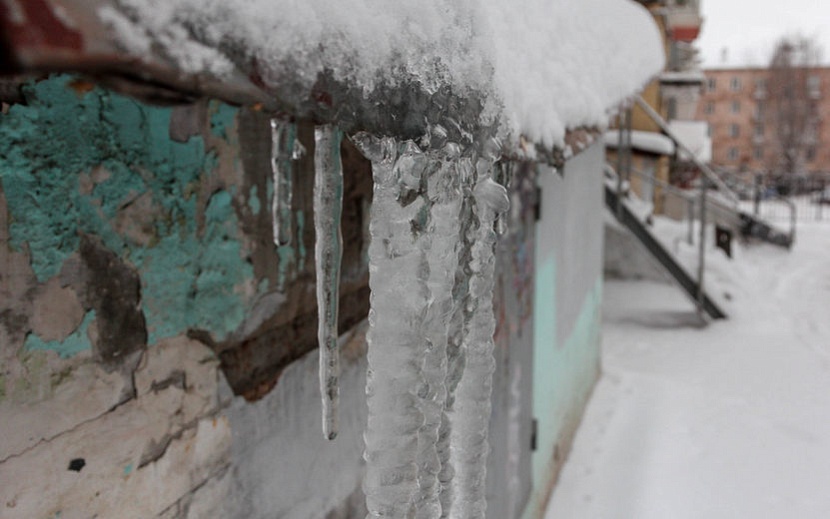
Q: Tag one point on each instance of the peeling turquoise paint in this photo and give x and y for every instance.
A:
(75, 343)
(253, 201)
(46, 145)
(196, 276)
(222, 117)
(287, 258)
(70, 164)
(128, 469)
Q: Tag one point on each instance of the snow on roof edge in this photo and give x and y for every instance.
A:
(535, 71)
(651, 142)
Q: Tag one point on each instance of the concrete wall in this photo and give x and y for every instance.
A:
(568, 292)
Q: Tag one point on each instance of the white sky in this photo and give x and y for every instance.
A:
(749, 28)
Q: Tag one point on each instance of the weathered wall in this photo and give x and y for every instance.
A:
(139, 287)
(157, 350)
(566, 311)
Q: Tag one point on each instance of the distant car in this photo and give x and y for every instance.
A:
(822, 197)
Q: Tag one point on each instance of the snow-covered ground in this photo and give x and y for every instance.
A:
(726, 421)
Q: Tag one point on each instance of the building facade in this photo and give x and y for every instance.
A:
(737, 105)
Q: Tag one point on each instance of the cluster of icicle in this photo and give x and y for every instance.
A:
(431, 326)
(431, 266)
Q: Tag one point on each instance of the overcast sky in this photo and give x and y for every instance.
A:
(749, 28)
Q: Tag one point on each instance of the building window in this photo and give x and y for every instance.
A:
(759, 110)
(736, 107)
(711, 84)
(732, 154)
(672, 108)
(761, 85)
(710, 108)
(814, 87)
(811, 154)
(759, 130)
(758, 153)
(734, 130)
(708, 130)
(735, 84)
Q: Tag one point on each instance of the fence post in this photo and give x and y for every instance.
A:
(690, 215)
(701, 265)
(758, 186)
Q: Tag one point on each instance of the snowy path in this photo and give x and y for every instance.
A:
(729, 421)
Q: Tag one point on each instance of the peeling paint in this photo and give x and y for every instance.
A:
(72, 164)
(75, 343)
(222, 117)
(253, 201)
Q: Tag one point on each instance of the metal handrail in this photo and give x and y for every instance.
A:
(702, 302)
(713, 177)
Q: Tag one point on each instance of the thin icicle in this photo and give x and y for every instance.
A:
(328, 205)
(283, 149)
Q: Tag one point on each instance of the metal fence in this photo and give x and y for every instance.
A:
(771, 197)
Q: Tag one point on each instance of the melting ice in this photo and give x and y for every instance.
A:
(283, 143)
(328, 251)
(431, 326)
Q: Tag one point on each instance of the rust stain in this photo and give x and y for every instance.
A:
(40, 27)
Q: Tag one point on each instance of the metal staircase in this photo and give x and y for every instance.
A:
(689, 285)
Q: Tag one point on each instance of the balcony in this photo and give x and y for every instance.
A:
(684, 22)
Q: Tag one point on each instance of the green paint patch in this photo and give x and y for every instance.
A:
(75, 343)
(70, 164)
(222, 118)
(196, 276)
(128, 469)
(48, 143)
(253, 201)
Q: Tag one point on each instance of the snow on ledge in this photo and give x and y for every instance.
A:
(651, 142)
(538, 67)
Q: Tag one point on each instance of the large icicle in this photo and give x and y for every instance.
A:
(468, 410)
(283, 144)
(431, 227)
(328, 251)
(458, 324)
(440, 246)
(396, 344)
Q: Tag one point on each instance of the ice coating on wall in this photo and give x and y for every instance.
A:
(328, 251)
(431, 257)
(521, 60)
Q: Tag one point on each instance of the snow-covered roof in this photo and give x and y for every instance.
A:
(651, 142)
(533, 69)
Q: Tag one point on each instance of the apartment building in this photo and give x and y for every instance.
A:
(737, 104)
